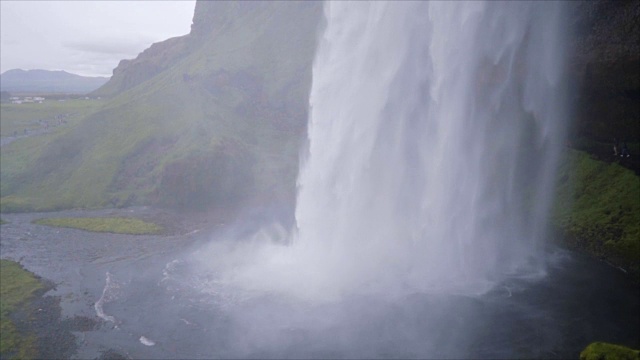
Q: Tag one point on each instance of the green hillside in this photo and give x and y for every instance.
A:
(211, 119)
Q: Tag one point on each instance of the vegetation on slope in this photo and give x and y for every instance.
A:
(17, 286)
(16, 118)
(216, 126)
(605, 351)
(111, 225)
(598, 208)
(34, 129)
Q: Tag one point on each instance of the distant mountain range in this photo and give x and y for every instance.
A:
(45, 81)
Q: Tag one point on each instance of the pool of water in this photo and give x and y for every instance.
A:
(150, 303)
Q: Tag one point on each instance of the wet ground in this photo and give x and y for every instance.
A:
(138, 297)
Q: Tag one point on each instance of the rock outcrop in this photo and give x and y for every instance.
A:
(605, 63)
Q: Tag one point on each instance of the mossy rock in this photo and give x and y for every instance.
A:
(606, 351)
(597, 209)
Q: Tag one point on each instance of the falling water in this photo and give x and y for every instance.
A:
(433, 137)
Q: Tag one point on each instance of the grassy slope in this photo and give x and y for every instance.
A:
(17, 286)
(201, 108)
(18, 159)
(598, 207)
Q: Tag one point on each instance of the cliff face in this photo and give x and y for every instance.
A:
(605, 58)
(598, 207)
(208, 19)
(229, 104)
(152, 61)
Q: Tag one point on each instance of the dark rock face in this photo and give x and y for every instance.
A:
(605, 65)
(607, 31)
(211, 16)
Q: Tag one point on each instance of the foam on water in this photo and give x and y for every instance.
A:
(109, 293)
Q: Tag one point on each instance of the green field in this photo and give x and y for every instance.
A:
(110, 225)
(17, 287)
(15, 118)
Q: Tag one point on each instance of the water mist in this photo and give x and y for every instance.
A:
(434, 132)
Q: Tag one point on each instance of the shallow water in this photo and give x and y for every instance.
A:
(164, 308)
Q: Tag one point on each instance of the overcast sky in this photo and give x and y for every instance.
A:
(85, 37)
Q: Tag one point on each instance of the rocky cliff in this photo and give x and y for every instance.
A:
(152, 61)
(605, 63)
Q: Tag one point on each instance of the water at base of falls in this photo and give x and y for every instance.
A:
(434, 133)
(156, 293)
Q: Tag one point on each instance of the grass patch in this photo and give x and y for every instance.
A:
(110, 225)
(17, 287)
(17, 118)
(606, 351)
(597, 207)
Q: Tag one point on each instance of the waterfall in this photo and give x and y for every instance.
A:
(434, 132)
(433, 137)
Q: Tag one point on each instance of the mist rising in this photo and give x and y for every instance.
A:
(433, 138)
